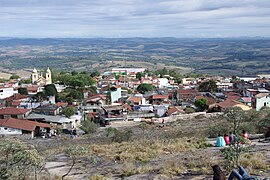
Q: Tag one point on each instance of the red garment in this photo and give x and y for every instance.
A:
(227, 140)
(245, 135)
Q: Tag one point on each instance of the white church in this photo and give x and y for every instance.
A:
(41, 78)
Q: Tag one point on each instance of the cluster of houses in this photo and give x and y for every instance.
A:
(22, 115)
(117, 99)
(168, 97)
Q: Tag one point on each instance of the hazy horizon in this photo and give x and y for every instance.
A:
(134, 18)
(239, 37)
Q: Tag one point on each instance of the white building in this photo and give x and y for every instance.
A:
(115, 93)
(163, 82)
(6, 92)
(127, 70)
(9, 131)
(262, 100)
(188, 81)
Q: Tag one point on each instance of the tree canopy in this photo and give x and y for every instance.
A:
(75, 79)
(208, 86)
(22, 91)
(40, 96)
(139, 75)
(201, 104)
(143, 88)
(14, 76)
(68, 112)
(50, 90)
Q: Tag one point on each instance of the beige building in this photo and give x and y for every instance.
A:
(41, 78)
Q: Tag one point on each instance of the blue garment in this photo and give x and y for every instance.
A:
(241, 175)
(220, 142)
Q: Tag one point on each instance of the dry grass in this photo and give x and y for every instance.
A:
(143, 151)
(129, 169)
(201, 163)
(172, 167)
(98, 177)
(255, 163)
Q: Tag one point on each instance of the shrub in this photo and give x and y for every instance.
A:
(18, 159)
(88, 126)
(189, 110)
(68, 112)
(118, 136)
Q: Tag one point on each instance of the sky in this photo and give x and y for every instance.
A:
(134, 18)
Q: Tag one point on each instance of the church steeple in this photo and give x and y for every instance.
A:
(48, 76)
(34, 76)
(38, 77)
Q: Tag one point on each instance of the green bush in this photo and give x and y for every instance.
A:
(88, 127)
(119, 136)
(189, 110)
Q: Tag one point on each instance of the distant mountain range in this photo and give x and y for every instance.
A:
(238, 56)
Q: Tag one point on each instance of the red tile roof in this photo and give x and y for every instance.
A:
(13, 111)
(174, 110)
(187, 91)
(15, 103)
(158, 96)
(128, 107)
(245, 99)
(101, 96)
(22, 124)
(16, 97)
(210, 101)
(61, 104)
(134, 99)
(32, 89)
(228, 103)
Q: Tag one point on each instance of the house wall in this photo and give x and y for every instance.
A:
(263, 101)
(6, 130)
(115, 95)
(163, 82)
(160, 110)
(143, 102)
(6, 92)
(20, 116)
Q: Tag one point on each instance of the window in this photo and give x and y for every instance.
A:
(265, 104)
(14, 116)
(5, 128)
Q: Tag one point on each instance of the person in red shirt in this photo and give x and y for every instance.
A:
(227, 139)
(245, 134)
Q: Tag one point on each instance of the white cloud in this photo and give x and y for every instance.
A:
(109, 18)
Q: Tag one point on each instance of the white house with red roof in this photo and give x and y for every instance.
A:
(14, 126)
(11, 112)
(6, 92)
